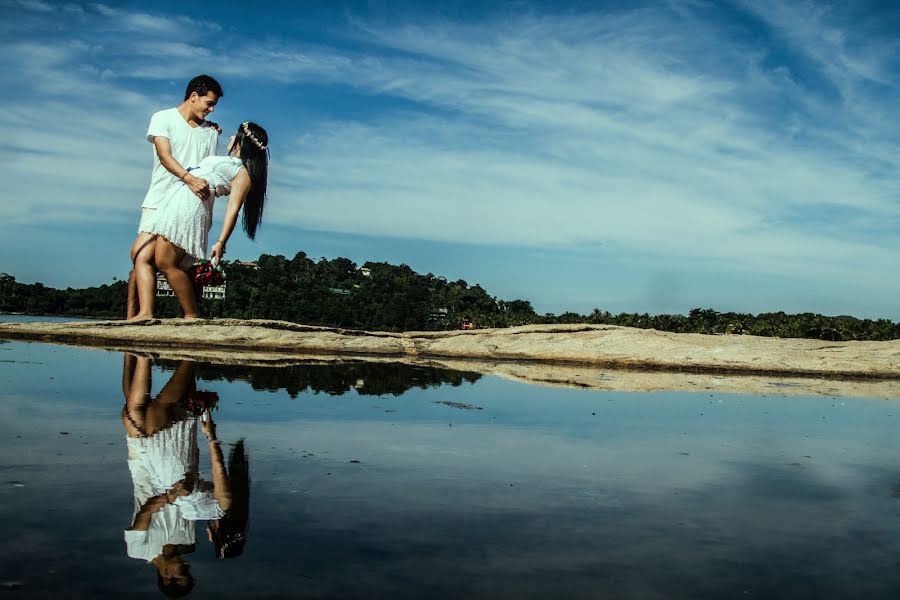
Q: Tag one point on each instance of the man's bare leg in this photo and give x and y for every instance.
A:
(132, 306)
(136, 385)
(128, 373)
(144, 276)
(168, 259)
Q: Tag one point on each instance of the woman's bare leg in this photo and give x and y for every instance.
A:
(168, 260)
(143, 416)
(144, 275)
(164, 410)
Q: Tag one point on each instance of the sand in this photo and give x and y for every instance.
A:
(590, 356)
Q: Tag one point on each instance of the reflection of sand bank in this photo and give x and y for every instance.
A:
(592, 378)
(590, 356)
(628, 380)
(588, 377)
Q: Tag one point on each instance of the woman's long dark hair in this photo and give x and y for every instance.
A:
(230, 536)
(255, 156)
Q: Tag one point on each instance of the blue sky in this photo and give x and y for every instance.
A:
(741, 156)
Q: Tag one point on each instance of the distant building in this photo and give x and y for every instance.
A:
(366, 271)
(216, 292)
(467, 324)
(250, 265)
(439, 314)
(164, 290)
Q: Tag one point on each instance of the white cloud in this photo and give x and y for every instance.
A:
(654, 132)
(170, 50)
(171, 28)
(35, 5)
(575, 139)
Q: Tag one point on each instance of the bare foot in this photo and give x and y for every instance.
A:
(141, 317)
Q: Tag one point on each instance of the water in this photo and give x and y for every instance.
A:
(371, 481)
(18, 318)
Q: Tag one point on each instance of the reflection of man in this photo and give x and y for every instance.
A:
(163, 458)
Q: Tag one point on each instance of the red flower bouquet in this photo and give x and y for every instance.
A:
(198, 401)
(206, 274)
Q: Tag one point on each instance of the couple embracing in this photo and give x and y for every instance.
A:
(187, 177)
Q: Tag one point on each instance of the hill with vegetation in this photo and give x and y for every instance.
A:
(382, 296)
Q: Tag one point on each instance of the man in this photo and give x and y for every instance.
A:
(180, 136)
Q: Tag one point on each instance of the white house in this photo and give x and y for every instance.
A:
(163, 289)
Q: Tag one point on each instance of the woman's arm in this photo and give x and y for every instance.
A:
(221, 484)
(240, 185)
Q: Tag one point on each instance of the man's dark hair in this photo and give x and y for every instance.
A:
(203, 84)
(172, 589)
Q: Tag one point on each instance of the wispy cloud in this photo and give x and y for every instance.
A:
(35, 5)
(146, 23)
(571, 130)
(767, 143)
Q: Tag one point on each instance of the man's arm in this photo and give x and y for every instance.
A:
(143, 517)
(200, 187)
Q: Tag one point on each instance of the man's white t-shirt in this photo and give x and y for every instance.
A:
(189, 145)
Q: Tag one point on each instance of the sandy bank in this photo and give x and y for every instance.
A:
(595, 356)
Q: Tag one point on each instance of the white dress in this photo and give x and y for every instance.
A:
(183, 218)
(156, 464)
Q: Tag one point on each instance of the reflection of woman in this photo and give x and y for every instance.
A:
(163, 458)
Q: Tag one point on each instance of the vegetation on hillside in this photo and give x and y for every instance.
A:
(382, 296)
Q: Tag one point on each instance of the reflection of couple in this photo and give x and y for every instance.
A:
(176, 214)
(164, 460)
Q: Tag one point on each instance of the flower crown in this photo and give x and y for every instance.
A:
(246, 127)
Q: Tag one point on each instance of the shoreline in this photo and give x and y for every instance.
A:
(606, 346)
(595, 356)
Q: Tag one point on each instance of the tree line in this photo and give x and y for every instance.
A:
(382, 296)
(333, 379)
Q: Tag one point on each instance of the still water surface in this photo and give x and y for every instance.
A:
(19, 318)
(363, 480)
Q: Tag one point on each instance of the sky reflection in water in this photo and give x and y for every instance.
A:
(397, 481)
